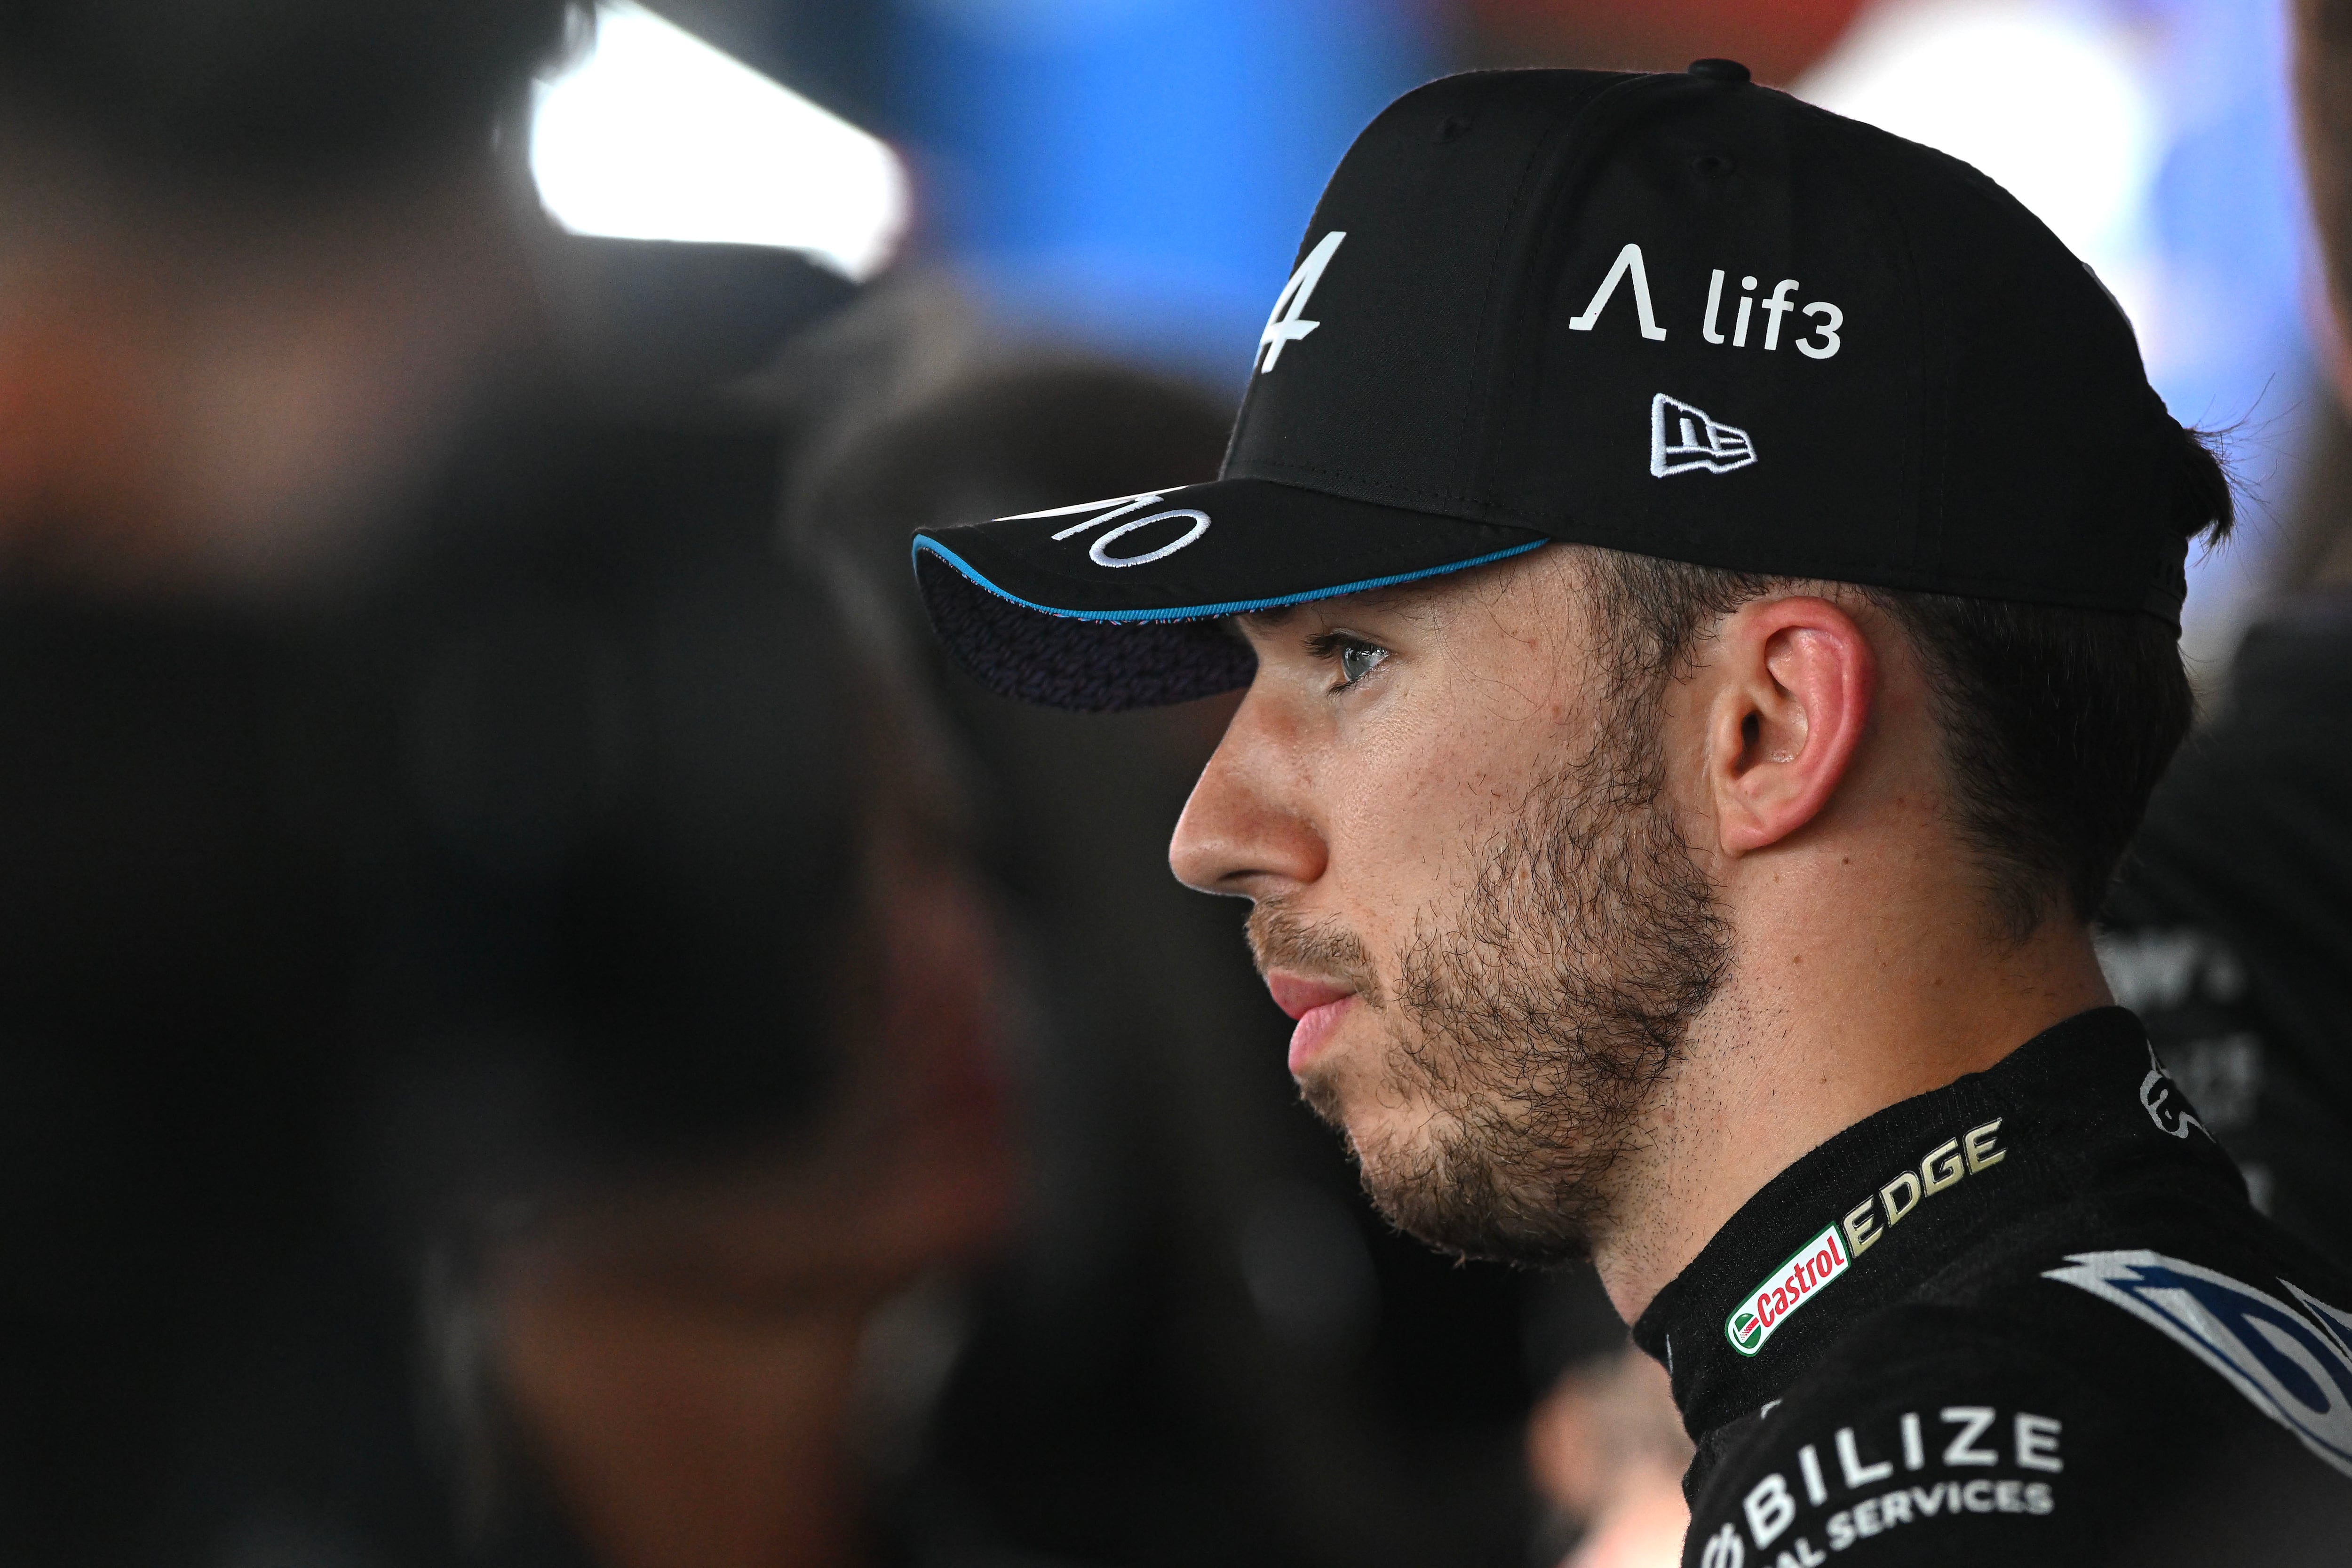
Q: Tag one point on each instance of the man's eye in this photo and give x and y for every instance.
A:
(1355, 657)
(1357, 660)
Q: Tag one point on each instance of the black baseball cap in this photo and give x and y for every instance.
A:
(1680, 315)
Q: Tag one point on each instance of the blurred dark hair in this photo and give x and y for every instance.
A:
(276, 91)
(646, 757)
(2057, 723)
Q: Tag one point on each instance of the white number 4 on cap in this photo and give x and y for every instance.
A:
(1282, 328)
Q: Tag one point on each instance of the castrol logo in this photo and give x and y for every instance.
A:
(1787, 1288)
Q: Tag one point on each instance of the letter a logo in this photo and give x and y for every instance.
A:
(1683, 438)
(1627, 265)
(1286, 324)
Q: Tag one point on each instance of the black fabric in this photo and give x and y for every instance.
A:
(1086, 666)
(1675, 315)
(331, 938)
(2229, 930)
(1449, 372)
(1967, 1386)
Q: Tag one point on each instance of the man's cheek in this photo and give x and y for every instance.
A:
(1400, 852)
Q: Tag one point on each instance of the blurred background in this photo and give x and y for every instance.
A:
(539, 1022)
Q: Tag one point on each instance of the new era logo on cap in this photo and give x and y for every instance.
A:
(1683, 437)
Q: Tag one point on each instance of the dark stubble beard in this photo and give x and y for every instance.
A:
(1538, 1023)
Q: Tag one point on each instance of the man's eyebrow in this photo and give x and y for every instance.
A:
(1377, 601)
(1401, 597)
(1263, 619)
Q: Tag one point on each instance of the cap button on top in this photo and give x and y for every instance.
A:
(1719, 71)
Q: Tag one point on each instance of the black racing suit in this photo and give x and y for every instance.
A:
(2027, 1318)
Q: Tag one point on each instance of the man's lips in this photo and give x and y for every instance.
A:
(1297, 996)
(1317, 1005)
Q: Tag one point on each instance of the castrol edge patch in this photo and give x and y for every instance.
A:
(1787, 1288)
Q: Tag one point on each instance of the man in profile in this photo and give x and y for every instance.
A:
(1706, 575)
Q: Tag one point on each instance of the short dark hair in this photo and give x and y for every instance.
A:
(2057, 722)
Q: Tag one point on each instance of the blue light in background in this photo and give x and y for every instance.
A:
(2156, 138)
(1137, 173)
(2227, 212)
(2235, 351)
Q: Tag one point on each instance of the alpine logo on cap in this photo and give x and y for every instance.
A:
(1683, 437)
(2292, 1361)
(1286, 323)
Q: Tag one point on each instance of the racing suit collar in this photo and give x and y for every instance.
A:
(1874, 1212)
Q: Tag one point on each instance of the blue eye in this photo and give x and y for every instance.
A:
(1357, 660)
(1355, 657)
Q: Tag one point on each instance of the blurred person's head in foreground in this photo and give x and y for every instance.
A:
(1705, 578)
(719, 1080)
(254, 260)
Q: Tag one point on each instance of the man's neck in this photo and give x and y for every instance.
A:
(1823, 1023)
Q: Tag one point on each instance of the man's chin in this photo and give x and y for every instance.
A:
(1463, 1221)
(1454, 1199)
(1379, 1123)
(1436, 1181)
(1319, 1087)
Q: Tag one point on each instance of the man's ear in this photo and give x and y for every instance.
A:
(1792, 682)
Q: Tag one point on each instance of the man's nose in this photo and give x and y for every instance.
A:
(1247, 831)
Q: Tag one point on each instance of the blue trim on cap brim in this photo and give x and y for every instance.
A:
(1208, 612)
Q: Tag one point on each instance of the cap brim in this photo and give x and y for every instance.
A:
(1116, 604)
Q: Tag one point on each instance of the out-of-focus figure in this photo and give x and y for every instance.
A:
(2231, 929)
(692, 1061)
(1605, 1446)
(255, 265)
(408, 751)
(1608, 1452)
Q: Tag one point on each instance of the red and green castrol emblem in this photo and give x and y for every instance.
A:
(1764, 1309)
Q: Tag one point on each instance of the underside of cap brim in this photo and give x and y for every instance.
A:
(1028, 620)
(1025, 651)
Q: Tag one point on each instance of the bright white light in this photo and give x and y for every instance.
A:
(2047, 99)
(654, 134)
